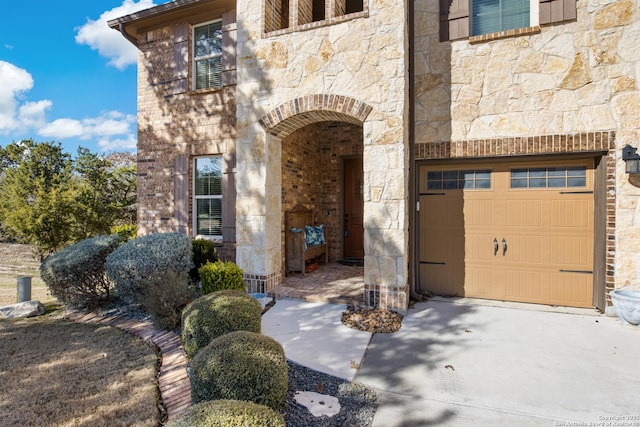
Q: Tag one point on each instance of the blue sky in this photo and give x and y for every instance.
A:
(65, 76)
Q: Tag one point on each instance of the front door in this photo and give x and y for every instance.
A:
(353, 227)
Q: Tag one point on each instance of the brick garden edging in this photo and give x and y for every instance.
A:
(173, 379)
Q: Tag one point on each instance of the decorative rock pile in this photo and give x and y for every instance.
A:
(374, 320)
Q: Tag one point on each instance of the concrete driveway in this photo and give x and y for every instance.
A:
(456, 363)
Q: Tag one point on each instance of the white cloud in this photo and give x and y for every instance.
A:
(62, 128)
(108, 129)
(15, 83)
(118, 144)
(112, 130)
(108, 42)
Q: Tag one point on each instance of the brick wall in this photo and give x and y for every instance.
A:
(312, 162)
(174, 121)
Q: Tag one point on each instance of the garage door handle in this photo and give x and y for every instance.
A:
(504, 246)
(495, 246)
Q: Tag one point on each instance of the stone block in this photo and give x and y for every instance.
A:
(22, 309)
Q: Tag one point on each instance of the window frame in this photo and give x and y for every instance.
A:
(195, 60)
(196, 197)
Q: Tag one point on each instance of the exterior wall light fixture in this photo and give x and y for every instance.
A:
(631, 158)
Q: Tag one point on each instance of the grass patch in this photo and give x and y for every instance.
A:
(59, 373)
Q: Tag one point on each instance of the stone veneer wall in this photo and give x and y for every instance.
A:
(175, 122)
(575, 78)
(360, 57)
(312, 163)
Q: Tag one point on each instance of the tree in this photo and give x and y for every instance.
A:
(50, 200)
(107, 193)
(38, 192)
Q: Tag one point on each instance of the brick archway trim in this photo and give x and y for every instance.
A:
(299, 112)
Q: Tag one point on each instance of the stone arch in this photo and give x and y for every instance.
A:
(305, 110)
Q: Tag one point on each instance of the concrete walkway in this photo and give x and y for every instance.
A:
(463, 363)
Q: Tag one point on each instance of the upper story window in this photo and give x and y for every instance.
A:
(292, 14)
(488, 19)
(207, 55)
(491, 16)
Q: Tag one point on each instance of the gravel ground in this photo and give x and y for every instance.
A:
(358, 403)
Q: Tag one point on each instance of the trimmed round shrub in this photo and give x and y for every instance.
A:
(228, 413)
(133, 262)
(216, 314)
(220, 275)
(241, 365)
(76, 274)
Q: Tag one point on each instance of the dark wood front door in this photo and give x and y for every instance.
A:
(353, 231)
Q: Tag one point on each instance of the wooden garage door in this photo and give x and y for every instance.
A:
(514, 232)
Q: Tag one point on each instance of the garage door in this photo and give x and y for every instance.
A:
(513, 232)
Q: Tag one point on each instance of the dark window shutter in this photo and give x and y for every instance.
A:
(229, 197)
(557, 11)
(229, 36)
(181, 59)
(181, 194)
(454, 19)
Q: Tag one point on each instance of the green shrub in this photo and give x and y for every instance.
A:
(133, 262)
(165, 295)
(204, 250)
(241, 365)
(125, 231)
(228, 413)
(216, 314)
(220, 275)
(76, 275)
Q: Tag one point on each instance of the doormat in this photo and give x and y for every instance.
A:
(352, 262)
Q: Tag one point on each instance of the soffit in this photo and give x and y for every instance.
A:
(189, 11)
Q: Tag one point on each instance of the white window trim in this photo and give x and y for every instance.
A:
(534, 15)
(194, 204)
(195, 59)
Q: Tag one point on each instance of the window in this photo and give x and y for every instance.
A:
(207, 55)
(491, 16)
(460, 19)
(207, 196)
(557, 177)
(459, 179)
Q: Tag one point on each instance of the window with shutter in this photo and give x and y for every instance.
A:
(207, 55)
(461, 18)
(207, 196)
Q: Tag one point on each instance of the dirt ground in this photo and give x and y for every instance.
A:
(18, 260)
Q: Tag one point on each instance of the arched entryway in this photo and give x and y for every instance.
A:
(322, 146)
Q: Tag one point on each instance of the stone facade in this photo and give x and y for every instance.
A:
(377, 82)
(332, 70)
(568, 88)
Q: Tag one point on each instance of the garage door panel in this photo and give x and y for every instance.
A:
(525, 285)
(572, 289)
(571, 214)
(478, 247)
(571, 252)
(479, 213)
(482, 282)
(442, 280)
(524, 213)
(529, 249)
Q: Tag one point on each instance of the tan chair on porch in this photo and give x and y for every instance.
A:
(297, 250)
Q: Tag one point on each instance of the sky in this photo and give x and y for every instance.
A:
(66, 77)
